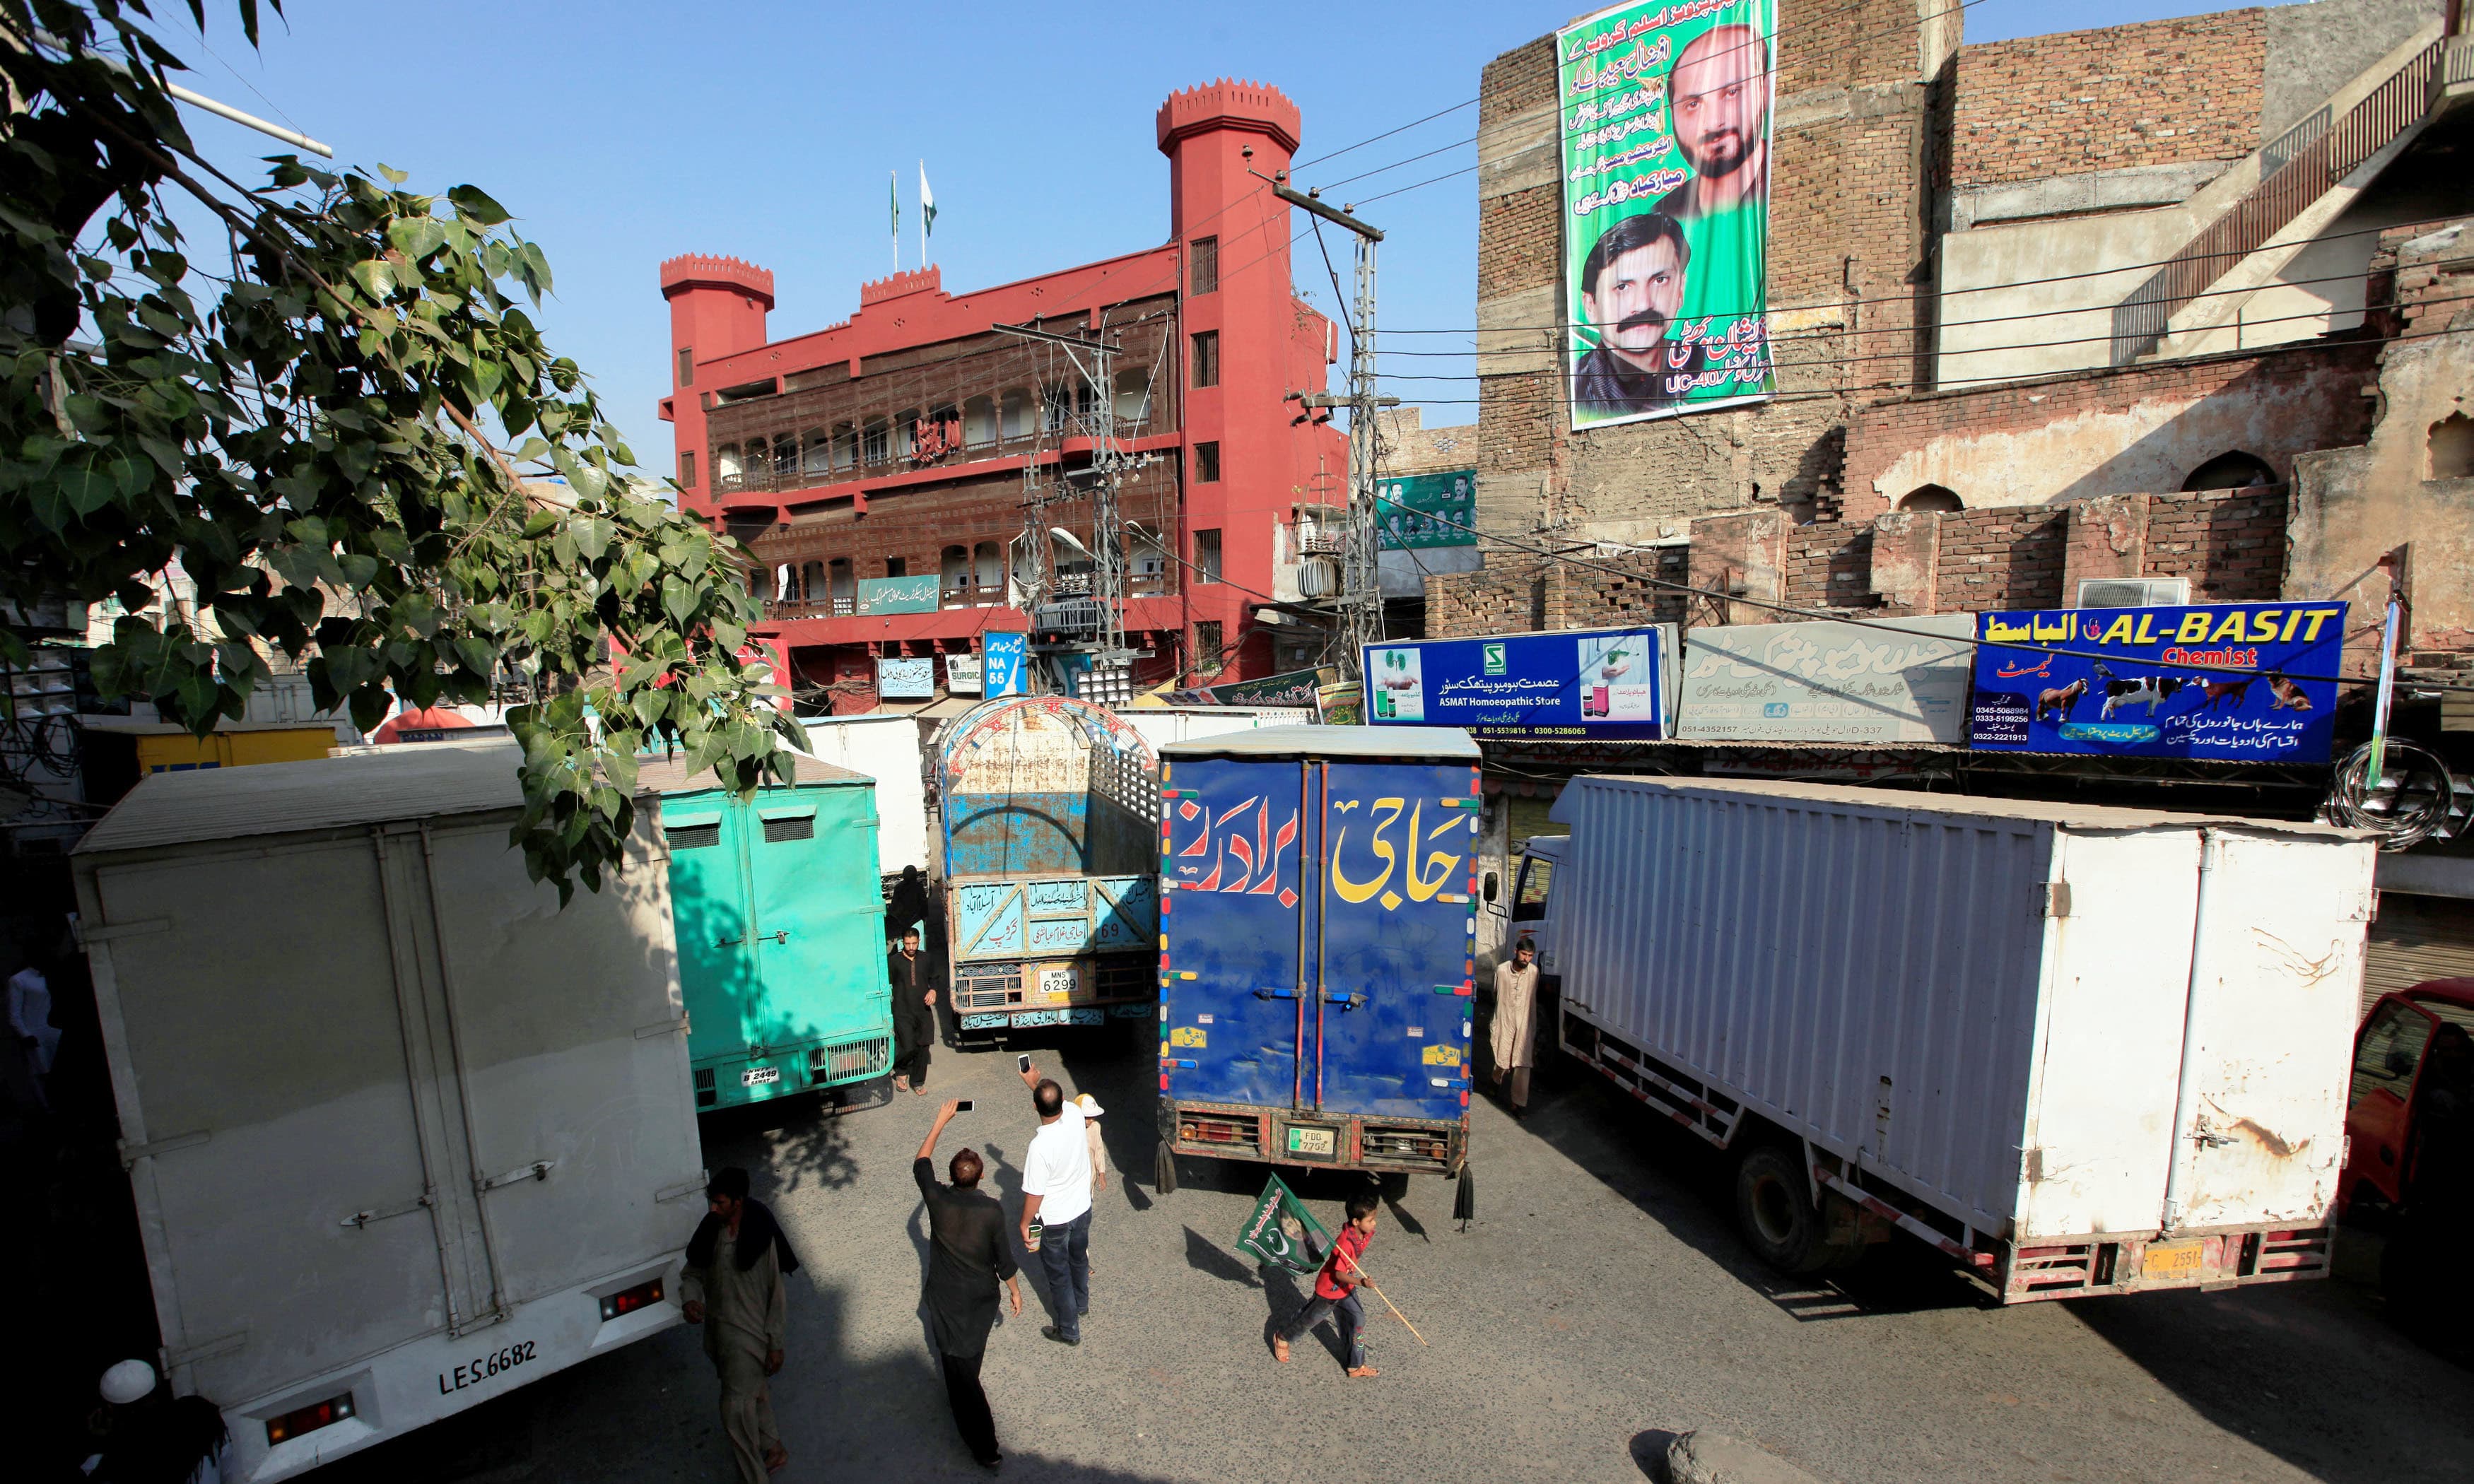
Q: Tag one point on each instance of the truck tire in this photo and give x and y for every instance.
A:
(1774, 1210)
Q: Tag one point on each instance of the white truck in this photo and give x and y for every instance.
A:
(2081, 1051)
(402, 1134)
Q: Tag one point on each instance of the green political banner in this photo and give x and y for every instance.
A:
(898, 594)
(1665, 117)
(1282, 1234)
(1417, 512)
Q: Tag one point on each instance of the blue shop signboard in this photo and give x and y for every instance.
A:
(2222, 681)
(1606, 685)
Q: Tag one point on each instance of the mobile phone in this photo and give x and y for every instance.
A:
(962, 1107)
(1021, 1063)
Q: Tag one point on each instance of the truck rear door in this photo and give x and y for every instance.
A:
(819, 924)
(710, 900)
(1393, 953)
(1237, 884)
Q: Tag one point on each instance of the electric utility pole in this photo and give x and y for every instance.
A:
(1096, 361)
(1361, 590)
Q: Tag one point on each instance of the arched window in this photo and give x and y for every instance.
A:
(838, 584)
(726, 467)
(786, 456)
(1133, 396)
(980, 422)
(953, 572)
(987, 568)
(812, 582)
(1017, 414)
(2452, 449)
(845, 446)
(816, 453)
(906, 433)
(1931, 497)
(2234, 470)
(874, 441)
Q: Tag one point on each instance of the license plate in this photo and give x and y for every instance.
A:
(1057, 981)
(2173, 1259)
(758, 1076)
(1322, 1141)
(1040, 1018)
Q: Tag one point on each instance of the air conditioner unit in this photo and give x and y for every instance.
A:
(2134, 591)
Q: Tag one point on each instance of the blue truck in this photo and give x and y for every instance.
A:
(1317, 919)
(779, 931)
(1045, 807)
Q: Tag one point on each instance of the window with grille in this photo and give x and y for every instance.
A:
(779, 828)
(1206, 463)
(1205, 257)
(1206, 556)
(1206, 359)
(694, 837)
(1206, 645)
(687, 366)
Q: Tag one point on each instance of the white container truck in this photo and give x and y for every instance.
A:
(2081, 1051)
(402, 1134)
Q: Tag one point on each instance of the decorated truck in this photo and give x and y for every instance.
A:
(1045, 813)
(1317, 911)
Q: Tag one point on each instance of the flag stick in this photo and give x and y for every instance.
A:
(1379, 1293)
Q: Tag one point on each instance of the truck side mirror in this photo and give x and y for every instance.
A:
(1488, 888)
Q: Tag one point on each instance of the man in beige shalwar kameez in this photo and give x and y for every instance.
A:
(740, 1304)
(1515, 1032)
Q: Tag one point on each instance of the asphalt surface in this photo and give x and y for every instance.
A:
(1598, 1306)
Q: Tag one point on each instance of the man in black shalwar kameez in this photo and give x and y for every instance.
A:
(914, 1012)
(968, 1252)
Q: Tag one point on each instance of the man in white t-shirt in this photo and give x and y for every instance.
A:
(1057, 1189)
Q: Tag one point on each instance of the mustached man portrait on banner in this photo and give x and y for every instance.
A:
(1666, 171)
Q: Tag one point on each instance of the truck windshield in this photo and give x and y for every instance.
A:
(2390, 1051)
(1537, 878)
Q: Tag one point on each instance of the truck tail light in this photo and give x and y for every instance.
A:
(308, 1419)
(627, 1301)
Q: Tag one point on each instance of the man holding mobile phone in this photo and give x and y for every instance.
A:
(968, 1254)
(1056, 1195)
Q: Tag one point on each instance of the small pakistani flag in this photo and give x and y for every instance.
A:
(1282, 1234)
(894, 199)
(927, 205)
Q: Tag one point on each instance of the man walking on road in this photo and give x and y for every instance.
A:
(1514, 1035)
(1336, 1288)
(914, 1012)
(968, 1254)
(733, 1286)
(1056, 1193)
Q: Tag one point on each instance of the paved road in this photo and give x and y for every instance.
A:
(1599, 1304)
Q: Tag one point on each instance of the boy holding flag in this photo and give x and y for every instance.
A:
(1336, 1287)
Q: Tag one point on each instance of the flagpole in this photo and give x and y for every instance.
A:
(1379, 1293)
(923, 214)
(893, 191)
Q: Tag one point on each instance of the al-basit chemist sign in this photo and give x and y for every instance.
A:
(1665, 117)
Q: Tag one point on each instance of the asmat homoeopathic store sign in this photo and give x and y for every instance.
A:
(1666, 112)
(1604, 685)
(2222, 681)
(1863, 685)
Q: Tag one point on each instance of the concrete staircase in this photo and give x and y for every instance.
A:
(2306, 179)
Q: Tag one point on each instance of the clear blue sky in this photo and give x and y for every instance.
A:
(622, 134)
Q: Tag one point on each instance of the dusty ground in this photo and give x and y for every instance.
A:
(1598, 1305)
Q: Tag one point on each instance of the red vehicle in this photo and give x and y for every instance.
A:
(2413, 1078)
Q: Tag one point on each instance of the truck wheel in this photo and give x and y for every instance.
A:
(1164, 1169)
(1775, 1211)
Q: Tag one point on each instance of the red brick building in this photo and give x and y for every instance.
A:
(901, 442)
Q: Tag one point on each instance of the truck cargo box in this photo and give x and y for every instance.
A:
(1316, 915)
(402, 1133)
(2083, 1050)
(781, 930)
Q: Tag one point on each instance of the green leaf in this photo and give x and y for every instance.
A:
(476, 206)
(394, 176)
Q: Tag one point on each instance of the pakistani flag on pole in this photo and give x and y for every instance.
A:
(927, 213)
(1282, 1234)
(893, 205)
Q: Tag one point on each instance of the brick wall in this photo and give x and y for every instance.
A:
(2230, 544)
(2159, 94)
(2001, 558)
(2109, 432)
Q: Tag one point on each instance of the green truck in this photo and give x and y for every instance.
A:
(781, 933)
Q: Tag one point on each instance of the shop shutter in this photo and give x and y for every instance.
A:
(2417, 937)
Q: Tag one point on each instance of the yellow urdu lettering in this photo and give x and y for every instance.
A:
(1385, 810)
(1424, 889)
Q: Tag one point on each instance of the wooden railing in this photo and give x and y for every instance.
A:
(2297, 168)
